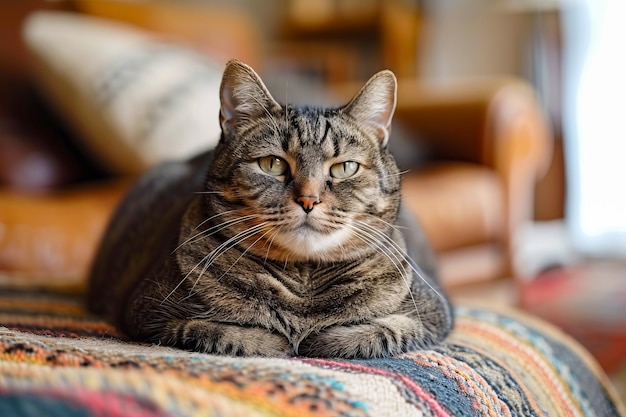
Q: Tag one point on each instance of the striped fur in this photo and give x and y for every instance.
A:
(234, 253)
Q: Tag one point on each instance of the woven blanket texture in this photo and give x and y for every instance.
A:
(57, 360)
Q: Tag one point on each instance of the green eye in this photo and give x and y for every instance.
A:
(273, 165)
(344, 169)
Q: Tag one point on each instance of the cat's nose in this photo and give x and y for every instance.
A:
(307, 202)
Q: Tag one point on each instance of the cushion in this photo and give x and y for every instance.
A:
(135, 100)
(55, 359)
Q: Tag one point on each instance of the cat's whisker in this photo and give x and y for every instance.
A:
(192, 238)
(386, 223)
(226, 224)
(204, 259)
(214, 229)
(213, 255)
(208, 192)
(269, 245)
(223, 213)
(213, 217)
(402, 253)
(224, 247)
(286, 263)
(375, 243)
(387, 239)
(244, 252)
(399, 174)
(177, 286)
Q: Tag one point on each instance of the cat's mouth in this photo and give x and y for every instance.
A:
(309, 225)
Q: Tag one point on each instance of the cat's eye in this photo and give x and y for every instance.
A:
(344, 169)
(273, 165)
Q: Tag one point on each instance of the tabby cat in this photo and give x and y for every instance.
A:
(287, 239)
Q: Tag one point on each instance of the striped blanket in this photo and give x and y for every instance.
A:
(57, 360)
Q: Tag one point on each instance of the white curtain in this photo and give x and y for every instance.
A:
(595, 124)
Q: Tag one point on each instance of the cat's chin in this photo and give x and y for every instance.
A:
(309, 244)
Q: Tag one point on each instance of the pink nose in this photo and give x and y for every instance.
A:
(307, 202)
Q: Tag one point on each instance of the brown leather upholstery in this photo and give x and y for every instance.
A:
(55, 235)
(497, 129)
(458, 204)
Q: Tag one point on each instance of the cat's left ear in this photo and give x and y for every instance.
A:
(374, 105)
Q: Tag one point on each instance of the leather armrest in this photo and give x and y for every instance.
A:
(481, 121)
(495, 123)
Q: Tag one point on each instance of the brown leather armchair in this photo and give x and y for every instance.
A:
(488, 143)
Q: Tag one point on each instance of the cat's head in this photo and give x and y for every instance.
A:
(300, 183)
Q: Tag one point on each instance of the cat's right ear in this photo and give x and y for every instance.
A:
(243, 96)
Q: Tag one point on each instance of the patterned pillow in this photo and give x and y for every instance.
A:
(136, 100)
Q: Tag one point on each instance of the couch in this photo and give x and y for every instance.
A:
(57, 359)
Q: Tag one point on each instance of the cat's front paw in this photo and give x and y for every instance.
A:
(381, 337)
(226, 339)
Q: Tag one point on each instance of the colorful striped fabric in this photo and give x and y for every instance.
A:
(56, 360)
